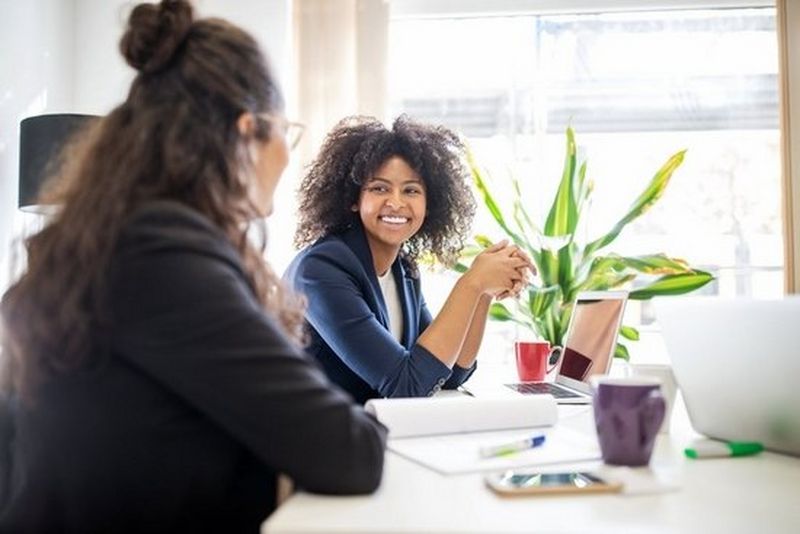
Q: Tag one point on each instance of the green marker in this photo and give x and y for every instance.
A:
(721, 449)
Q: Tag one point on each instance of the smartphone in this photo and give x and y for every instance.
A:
(520, 482)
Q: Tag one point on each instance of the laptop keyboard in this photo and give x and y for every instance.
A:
(543, 387)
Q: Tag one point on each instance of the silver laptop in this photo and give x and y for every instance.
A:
(737, 363)
(588, 351)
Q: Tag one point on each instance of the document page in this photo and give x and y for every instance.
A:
(460, 453)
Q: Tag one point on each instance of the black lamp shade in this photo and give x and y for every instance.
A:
(41, 141)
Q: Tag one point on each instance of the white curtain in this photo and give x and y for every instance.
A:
(340, 60)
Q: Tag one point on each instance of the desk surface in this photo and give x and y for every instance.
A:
(752, 494)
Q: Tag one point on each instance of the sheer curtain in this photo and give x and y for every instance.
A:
(340, 56)
(337, 68)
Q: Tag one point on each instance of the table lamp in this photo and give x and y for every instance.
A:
(41, 140)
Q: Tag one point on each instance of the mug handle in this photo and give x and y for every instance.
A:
(555, 350)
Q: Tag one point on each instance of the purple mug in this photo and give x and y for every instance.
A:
(627, 414)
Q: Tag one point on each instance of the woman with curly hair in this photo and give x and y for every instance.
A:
(372, 202)
(154, 379)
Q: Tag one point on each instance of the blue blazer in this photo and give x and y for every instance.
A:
(349, 326)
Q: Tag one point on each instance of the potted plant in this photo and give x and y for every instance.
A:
(567, 265)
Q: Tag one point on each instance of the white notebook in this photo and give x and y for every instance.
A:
(447, 434)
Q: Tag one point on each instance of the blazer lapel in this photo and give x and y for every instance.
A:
(355, 239)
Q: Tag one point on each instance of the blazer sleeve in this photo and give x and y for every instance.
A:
(340, 314)
(188, 318)
(425, 318)
(459, 374)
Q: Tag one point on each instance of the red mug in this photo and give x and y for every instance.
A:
(533, 359)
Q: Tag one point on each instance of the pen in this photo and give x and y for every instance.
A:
(511, 448)
(721, 449)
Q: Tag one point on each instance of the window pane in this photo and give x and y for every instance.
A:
(636, 87)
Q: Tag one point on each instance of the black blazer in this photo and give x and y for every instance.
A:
(199, 402)
(349, 326)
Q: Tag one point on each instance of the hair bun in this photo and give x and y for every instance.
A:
(154, 33)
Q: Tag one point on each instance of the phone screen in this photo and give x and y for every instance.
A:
(548, 480)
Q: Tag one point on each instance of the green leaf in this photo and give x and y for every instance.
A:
(605, 280)
(655, 264)
(540, 299)
(561, 317)
(483, 241)
(528, 225)
(470, 251)
(629, 332)
(480, 183)
(672, 284)
(525, 225)
(604, 270)
(499, 312)
(563, 216)
(549, 327)
(643, 203)
(621, 351)
(565, 266)
(584, 189)
(548, 268)
(460, 267)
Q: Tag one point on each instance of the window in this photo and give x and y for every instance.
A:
(636, 87)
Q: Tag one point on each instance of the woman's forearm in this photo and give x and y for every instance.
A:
(472, 341)
(445, 336)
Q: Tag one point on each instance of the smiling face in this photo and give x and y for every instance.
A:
(392, 208)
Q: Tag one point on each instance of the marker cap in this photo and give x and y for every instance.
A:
(717, 449)
(744, 448)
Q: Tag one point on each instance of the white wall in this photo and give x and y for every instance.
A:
(101, 77)
(62, 56)
(270, 23)
(36, 66)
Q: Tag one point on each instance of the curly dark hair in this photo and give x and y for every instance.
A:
(355, 149)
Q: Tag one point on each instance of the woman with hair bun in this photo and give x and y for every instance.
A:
(372, 202)
(153, 378)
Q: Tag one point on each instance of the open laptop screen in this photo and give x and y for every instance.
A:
(591, 338)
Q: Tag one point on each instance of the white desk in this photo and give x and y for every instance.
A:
(753, 494)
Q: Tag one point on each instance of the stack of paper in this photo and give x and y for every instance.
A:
(446, 435)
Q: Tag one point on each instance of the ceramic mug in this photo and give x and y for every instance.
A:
(534, 359)
(627, 413)
(669, 386)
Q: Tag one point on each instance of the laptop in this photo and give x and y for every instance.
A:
(737, 364)
(589, 349)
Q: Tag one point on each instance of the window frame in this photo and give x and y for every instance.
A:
(472, 8)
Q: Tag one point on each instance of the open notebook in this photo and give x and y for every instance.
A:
(447, 434)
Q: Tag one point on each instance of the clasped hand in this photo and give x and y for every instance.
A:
(502, 270)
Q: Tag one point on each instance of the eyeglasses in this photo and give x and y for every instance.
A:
(293, 131)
